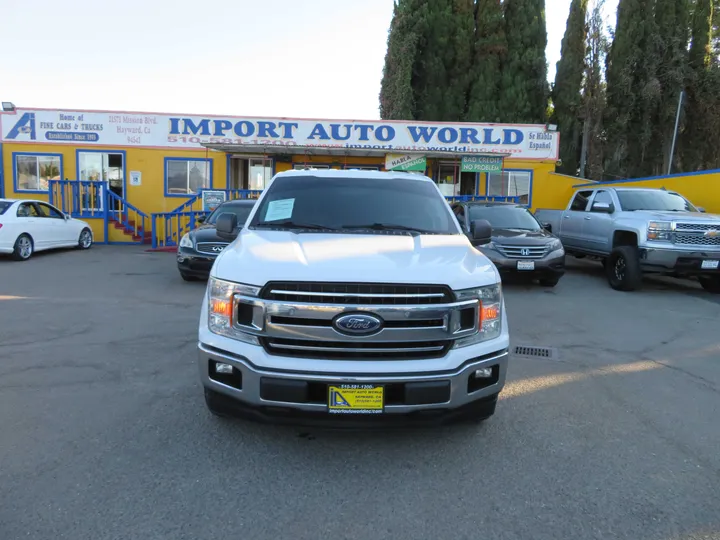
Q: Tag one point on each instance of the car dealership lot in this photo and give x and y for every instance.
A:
(105, 433)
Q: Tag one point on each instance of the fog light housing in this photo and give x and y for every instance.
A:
(483, 373)
(225, 369)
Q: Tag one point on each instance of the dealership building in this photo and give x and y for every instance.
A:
(140, 171)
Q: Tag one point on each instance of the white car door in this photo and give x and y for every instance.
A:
(29, 221)
(63, 231)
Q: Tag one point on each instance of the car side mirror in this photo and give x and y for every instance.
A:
(547, 227)
(480, 232)
(604, 208)
(201, 219)
(66, 216)
(226, 226)
(700, 209)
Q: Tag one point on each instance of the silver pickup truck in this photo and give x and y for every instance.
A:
(634, 231)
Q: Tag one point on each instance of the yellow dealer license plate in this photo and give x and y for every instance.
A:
(356, 399)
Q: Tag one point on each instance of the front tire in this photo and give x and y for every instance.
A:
(24, 248)
(623, 269)
(187, 277)
(710, 283)
(85, 240)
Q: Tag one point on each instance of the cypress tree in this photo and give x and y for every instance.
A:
(671, 17)
(490, 52)
(524, 87)
(566, 93)
(397, 101)
(633, 90)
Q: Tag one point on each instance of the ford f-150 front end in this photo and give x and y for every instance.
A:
(322, 310)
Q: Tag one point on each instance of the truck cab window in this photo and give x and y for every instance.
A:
(580, 201)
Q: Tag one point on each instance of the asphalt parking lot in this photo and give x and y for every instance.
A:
(104, 432)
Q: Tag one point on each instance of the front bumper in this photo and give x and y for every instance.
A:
(553, 265)
(301, 397)
(678, 261)
(195, 264)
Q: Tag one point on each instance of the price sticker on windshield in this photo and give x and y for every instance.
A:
(277, 210)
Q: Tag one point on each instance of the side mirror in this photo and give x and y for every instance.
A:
(66, 216)
(605, 208)
(547, 227)
(226, 226)
(480, 232)
(201, 219)
(700, 209)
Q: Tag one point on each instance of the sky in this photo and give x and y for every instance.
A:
(287, 58)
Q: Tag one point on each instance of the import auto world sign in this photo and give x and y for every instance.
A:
(103, 128)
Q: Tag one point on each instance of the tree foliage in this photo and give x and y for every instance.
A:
(567, 90)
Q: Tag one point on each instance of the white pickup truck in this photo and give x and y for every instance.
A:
(352, 297)
(635, 231)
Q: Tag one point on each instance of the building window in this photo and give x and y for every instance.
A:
(187, 176)
(260, 173)
(362, 167)
(32, 172)
(510, 183)
(306, 166)
(448, 178)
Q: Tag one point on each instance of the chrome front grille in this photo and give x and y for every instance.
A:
(298, 319)
(697, 226)
(696, 239)
(522, 252)
(357, 293)
(211, 248)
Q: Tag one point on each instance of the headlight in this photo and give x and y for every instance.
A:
(489, 313)
(660, 230)
(186, 242)
(555, 245)
(223, 310)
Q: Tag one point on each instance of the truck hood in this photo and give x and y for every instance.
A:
(686, 217)
(257, 257)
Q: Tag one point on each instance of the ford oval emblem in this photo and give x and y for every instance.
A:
(358, 324)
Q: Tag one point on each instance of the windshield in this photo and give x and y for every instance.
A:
(653, 200)
(242, 211)
(362, 204)
(4, 205)
(505, 217)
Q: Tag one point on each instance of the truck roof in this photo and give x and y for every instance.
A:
(353, 173)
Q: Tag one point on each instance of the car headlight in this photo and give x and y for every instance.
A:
(224, 297)
(555, 245)
(660, 230)
(186, 241)
(489, 313)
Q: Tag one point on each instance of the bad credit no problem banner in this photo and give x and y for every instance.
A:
(163, 130)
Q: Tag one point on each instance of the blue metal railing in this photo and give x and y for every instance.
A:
(168, 228)
(482, 198)
(132, 220)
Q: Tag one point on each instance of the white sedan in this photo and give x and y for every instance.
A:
(27, 226)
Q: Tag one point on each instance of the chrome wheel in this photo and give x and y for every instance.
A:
(85, 239)
(25, 247)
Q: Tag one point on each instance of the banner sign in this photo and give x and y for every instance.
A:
(212, 199)
(481, 164)
(400, 162)
(88, 128)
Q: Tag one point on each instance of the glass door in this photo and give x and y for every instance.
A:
(100, 167)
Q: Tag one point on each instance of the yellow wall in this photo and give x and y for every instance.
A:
(701, 189)
(553, 190)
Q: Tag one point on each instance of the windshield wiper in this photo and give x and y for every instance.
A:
(289, 224)
(388, 227)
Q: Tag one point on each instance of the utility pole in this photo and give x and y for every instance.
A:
(677, 123)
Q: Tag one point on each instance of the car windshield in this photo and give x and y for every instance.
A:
(505, 217)
(653, 200)
(358, 204)
(242, 211)
(4, 205)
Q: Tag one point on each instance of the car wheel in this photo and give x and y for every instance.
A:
(23, 248)
(710, 283)
(623, 269)
(187, 277)
(549, 282)
(217, 404)
(86, 239)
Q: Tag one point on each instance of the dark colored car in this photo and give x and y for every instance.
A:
(520, 244)
(198, 248)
